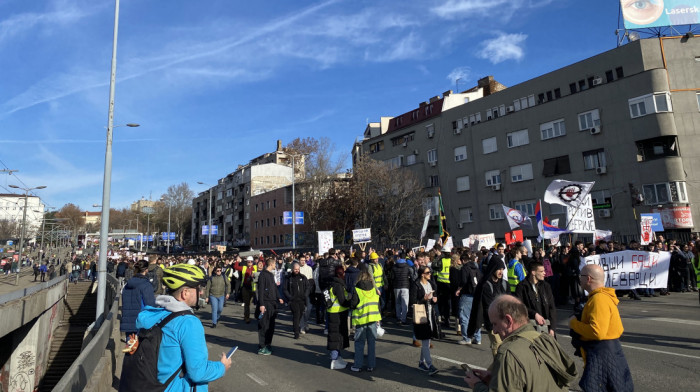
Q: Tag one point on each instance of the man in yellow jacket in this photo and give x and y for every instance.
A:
(600, 329)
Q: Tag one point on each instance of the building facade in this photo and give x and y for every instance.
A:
(12, 209)
(627, 119)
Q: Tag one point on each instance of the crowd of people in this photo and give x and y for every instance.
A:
(501, 293)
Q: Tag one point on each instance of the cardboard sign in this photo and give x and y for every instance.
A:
(361, 235)
(325, 241)
(514, 236)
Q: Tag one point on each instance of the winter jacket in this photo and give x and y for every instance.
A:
(296, 288)
(600, 319)
(541, 302)
(431, 330)
(351, 275)
(326, 272)
(402, 275)
(183, 344)
(338, 338)
(486, 291)
(137, 293)
(267, 292)
(469, 278)
(217, 286)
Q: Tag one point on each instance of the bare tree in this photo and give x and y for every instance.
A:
(72, 216)
(179, 197)
(9, 229)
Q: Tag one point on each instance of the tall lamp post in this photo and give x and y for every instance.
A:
(24, 224)
(167, 242)
(209, 208)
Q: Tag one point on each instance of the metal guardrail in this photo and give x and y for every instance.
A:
(21, 293)
(80, 372)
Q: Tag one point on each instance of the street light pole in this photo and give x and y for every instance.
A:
(209, 208)
(294, 218)
(24, 225)
(168, 242)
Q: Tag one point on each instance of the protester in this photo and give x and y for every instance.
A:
(308, 272)
(599, 331)
(537, 296)
(268, 298)
(365, 318)
(527, 360)
(491, 285)
(401, 282)
(425, 293)
(216, 293)
(137, 293)
(469, 277)
(338, 338)
(248, 287)
(296, 290)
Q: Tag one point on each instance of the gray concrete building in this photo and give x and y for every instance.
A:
(627, 119)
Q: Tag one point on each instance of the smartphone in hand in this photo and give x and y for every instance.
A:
(466, 367)
(230, 353)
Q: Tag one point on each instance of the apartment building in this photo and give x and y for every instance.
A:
(12, 209)
(627, 119)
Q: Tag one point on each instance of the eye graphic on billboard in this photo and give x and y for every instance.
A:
(639, 14)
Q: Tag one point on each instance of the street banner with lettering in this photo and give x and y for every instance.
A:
(631, 269)
(325, 241)
(581, 219)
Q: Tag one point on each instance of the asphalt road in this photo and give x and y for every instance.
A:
(661, 343)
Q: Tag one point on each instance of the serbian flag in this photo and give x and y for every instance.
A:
(547, 230)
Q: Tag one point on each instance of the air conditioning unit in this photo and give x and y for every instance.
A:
(458, 131)
(433, 163)
(405, 144)
(460, 225)
(431, 133)
(496, 187)
(595, 130)
(415, 152)
(510, 109)
(604, 213)
(601, 170)
(597, 81)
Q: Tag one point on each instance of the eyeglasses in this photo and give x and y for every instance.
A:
(427, 273)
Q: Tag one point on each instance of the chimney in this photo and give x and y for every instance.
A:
(279, 145)
(447, 93)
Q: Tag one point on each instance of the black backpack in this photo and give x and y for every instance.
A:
(140, 369)
(153, 278)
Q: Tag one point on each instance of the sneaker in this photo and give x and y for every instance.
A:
(264, 351)
(356, 369)
(477, 342)
(303, 332)
(336, 365)
(342, 361)
(422, 366)
(464, 342)
(433, 370)
(242, 304)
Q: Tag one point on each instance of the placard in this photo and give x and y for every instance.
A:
(581, 219)
(630, 269)
(361, 235)
(325, 241)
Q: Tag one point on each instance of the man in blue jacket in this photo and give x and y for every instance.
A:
(138, 292)
(183, 343)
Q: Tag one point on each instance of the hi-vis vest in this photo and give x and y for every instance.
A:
(367, 310)
(254, 283)
(378, 274)
(513, 277)
(443, 276)
(336, 308)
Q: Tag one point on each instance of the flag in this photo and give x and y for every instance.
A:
(516, 218)
(567, 193)
(443, 221)
(547, 230)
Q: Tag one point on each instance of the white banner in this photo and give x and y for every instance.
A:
(361, 235)
(325, 241)
(581, 219)
(429, 245)
(448, 245)
(605, 235)
(425, 224)
(479, 240)
(631, 269)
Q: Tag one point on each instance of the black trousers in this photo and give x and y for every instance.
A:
(247, 295)
(266, 325)
(298, 308)
(320, 303)
(443, 292)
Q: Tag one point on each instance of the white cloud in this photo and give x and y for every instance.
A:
(502, 48)
(62, 13)
(498, 9)
(462, 73)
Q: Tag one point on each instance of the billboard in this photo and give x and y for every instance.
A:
(640, 14)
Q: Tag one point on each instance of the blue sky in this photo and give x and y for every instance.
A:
(215, 83)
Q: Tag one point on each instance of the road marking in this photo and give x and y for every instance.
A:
(256, 379)
(673, 320)
(649, 349)
(457, 362)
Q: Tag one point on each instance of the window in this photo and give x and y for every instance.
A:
(229, 192)
(395, 162)
(650, 103)
(489, 145)
(549, 96)
(518, 138)
(493, 177)
(495, 211)
(531, 100)
(521, 172)
(553, 129)
(463, 184)
(620, 74)
(432, 155)
(557, 93)
(434, 181)
(526, 206)
(658, 147)
(609, 76)
(593, 159)
(411, 160)
(698, 97)
(460, 153)
(557, 209)
(572, 88)
(665, 192)
(588, 120)
(465, 215)
(256, 207)
(430, 130)
(601, 199)
(558, 165)
(274, 203)
(218, 208)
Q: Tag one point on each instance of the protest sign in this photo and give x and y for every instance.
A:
(514, 236)
(581, 219)
(325, 241)
(448, 245)
(604, 235)
(631, 269)
(646, 223)
(361, 235)
(430, 244)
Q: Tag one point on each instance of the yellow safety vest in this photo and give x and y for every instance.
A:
(378, 274)
(512, 277)
(443, 276)
(254, 283)
(367, 310)
(336, 308)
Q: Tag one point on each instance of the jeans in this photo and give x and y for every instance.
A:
(425, 353)
(465, 309)
(401, 304)
(217, 306)
(366, 332)
(307, 314)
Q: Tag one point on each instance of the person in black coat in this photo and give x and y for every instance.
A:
(537, 296)
(266, 312)
(296, 289)
(338, 338)
(424, 292)
(491, 285)
(138, 292)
